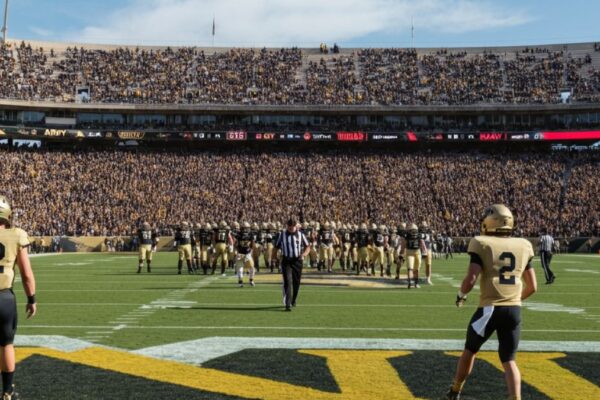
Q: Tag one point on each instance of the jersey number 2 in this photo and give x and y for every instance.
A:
(2, 254)
(507, 269)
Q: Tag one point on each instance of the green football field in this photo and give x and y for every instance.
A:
(94, 306)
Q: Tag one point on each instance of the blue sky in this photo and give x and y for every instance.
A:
(306, 23)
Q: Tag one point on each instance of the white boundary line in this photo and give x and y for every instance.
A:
(199, 351)
(291, 328)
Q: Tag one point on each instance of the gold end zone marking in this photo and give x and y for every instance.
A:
(540, 371)
(365, 374)
(360, 374)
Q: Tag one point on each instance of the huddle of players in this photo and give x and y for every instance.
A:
(363, 248)
(203, 246)
(358, 248)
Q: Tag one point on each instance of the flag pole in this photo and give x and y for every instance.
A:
(412, 33)
(5, 27)
(213, 32)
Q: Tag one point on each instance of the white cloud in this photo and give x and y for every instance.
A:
(290, 22)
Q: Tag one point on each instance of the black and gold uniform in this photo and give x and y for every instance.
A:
(400, 250)
(413, 243)
(362, 243)
(197, 248)
(12, 240)
(393, 244)
(325, 239)
(205, 237)
(311, 236)
(260, 235)
(221, 239)
(269, 246)
(245, 244)
(275, 258)
(427, 255)
(184, 237)
(231, 249)
(345, 234)
(378, 243)
(500, 262)
(148, 239)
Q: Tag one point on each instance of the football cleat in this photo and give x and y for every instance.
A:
(452, 395)
(252, 283)
(139, 270)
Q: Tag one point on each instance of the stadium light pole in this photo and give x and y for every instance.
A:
(4, 27)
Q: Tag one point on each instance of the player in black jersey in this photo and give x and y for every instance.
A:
(148, 239)
(205, 239)
(245, 244)
(362, 243)
(345, 235)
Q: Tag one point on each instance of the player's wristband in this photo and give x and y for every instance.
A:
(31, 299)
(461, 295)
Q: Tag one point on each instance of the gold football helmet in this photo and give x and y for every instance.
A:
(5, 210)
(413, 228)
(246, 225)
(326, 225)
(255, 226)
(497, 219)
(363, 227)
(223, 225)
(305, 225)
(185, 225)
(373, 226)
(265, 226)
(208, 227)
(146, 226)
(403, 226)
(236, 225)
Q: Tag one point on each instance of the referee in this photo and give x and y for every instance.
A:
(546, 246)
(294, 247)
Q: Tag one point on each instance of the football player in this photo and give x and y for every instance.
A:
(400, 250)
(268, 248)
(413, 245)
(362, 243)
(205, 239)
(501, 261)
(148, 239)
(222, 239)
(378, 243)
(346, 255)
(354, 250)
(311, 236)
(197, 247)
(13, 245)
(326, 240)
(231, 249)
(393, 243)
(427, 255)
(244, 259)
(257, 247)
(183, 241)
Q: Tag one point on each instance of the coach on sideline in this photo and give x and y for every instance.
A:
(294, 247)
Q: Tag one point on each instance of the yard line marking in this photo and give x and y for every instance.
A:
(119, 327)
(584, 271)
(301, 328)
(248, 304)
(393, 290)
(202, 350)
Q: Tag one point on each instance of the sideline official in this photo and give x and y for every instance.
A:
(546, 246)
(294, 247)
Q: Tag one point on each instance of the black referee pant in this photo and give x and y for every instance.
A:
(546, 258)
(291, 268)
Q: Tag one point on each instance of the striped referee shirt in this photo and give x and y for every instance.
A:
(546, 242)
(292, 244)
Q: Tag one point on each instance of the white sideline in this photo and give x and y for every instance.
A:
(199, 351)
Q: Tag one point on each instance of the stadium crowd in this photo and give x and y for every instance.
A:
(291, 76)
(110, 192)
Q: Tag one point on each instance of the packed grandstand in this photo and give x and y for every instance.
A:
(74, 187)
(523, 75)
